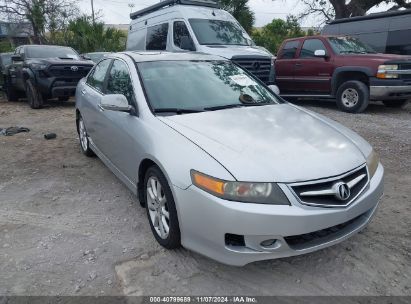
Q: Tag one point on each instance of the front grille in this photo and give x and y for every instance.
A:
(405, 66)
(303, 241)
(259, 66)
(67, 71)
(324, 193)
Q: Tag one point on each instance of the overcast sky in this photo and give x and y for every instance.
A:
(117, 11)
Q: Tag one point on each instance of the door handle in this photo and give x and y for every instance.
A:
(298, 64)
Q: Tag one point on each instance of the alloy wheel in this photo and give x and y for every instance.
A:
(83, 135)
(157, 207)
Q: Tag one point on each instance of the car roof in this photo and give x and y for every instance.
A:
(147, 56)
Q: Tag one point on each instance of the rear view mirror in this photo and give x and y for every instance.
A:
(187, 44)
(115, 102)
(274, 89)
(320, 53)
(16, 58)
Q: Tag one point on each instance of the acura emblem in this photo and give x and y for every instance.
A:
(342, 191)
(74, 68)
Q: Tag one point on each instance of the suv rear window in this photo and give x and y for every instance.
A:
(289, 50)
(157, 37)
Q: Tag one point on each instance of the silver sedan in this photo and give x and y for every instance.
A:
(223, 165)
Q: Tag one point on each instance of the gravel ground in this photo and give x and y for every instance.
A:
(69, 227)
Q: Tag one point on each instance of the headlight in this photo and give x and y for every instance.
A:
(386, 71)
(258, 193)
(373, 161)
(38, 66)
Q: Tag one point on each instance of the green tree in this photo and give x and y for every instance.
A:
(273, 34)
(85, 36)
(241, 11)
(337, 9)
(45, 16)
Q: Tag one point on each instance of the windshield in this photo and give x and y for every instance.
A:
(6, 59)
(218, 32)
(181, 86)
(349, 45)
(51, 52)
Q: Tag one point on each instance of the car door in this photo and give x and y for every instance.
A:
(121, 145)
(285, 65)
(15, 72)
(91, 93)
(312, 74)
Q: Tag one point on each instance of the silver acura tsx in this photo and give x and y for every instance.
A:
(223, 165)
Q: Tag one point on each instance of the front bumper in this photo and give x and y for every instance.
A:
(390, 89)
(205, 221)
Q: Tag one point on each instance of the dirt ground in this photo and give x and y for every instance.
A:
(69, 227)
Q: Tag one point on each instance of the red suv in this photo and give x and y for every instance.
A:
(342, 68)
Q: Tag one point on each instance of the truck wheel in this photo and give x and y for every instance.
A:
(353, 96)
(10, 92)
(34, 97)
(395, 103)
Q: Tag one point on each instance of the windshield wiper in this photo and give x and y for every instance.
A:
(177, 111)
(237, 105)
(223, 107)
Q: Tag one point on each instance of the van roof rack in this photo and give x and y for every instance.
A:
(166, 3)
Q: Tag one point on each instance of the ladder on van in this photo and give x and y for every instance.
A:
(167, 3)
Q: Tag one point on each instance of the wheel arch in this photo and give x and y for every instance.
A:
(344, 74)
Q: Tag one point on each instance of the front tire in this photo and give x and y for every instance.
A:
(161, 209)
(83, 137)
(395, 103)
(353, 97)
(34, 97)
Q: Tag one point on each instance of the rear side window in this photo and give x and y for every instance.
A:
(289, 50)
(180, 30)
(157, 37)
(310, 46)
(97, 76)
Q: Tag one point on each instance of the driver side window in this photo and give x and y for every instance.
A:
(119, 81)
(98, 75)
(180, 30)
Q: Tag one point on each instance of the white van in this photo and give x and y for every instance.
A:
(198, 25)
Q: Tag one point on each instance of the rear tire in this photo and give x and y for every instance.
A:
(353, 96)
(161, 209)
(395, 103)
(34, 97)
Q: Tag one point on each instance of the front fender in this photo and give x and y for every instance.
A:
(27, 73)
(354, 69)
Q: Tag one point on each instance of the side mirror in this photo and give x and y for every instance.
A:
(274, 89)
(115, 102)
(187, 44)
(16, 58)
(85, 57)
(320, 53)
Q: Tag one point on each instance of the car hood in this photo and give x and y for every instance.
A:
(275, 143)
(59, 61)
(229, 51)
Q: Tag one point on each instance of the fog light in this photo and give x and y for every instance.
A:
(268, 243)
